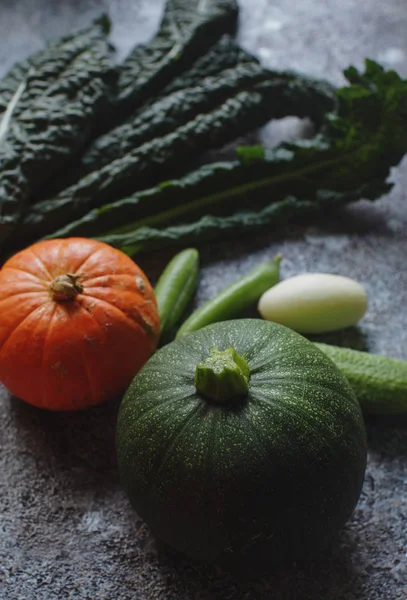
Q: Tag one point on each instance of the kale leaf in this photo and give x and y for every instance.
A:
(187, 30)
(350, 158)
(253, 101)
(50, 104)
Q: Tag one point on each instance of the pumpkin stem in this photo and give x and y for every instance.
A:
(65, 287)
(223, 375)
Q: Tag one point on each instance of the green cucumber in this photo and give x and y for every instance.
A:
(175, 288)
(379, 382)
(235, 298)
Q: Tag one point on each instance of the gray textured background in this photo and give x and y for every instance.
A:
(66, 527)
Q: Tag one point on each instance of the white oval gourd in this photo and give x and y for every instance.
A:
(314, 302)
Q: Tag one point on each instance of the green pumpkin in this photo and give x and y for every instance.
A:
(266, 460)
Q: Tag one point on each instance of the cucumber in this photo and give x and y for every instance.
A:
(379, 382)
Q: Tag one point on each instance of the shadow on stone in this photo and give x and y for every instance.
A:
(351, 337)
(328, 575)
(387, 435)
(69, 441)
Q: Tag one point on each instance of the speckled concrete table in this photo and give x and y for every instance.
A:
(67, 530)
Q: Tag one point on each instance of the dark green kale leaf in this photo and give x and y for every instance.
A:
(50, 104)
(154, 71)
(215, 76)
(349, 159)
(219, 73)
(169, 113)
(150, 203)
(187, 30)
(263, 96)
(173, 110)
(207, 228)
(39, 71)
(278, 213)
(223, 54)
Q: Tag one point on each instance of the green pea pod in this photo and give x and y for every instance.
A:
(175, 288)
(235, 298)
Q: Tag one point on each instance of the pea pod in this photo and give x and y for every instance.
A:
(235, 298)
(175, 288)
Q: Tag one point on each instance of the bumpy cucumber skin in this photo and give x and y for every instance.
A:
(175, 288)
(235, 298)
(379, 382)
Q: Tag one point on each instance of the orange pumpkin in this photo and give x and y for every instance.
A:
(78, 319)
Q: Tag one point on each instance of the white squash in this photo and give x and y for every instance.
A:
(314, 302)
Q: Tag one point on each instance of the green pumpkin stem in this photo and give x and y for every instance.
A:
(222, 376)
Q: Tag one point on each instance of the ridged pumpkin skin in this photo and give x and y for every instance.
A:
(274, 475)
(73, 353)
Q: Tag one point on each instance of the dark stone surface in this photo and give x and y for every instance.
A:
(67, 530)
